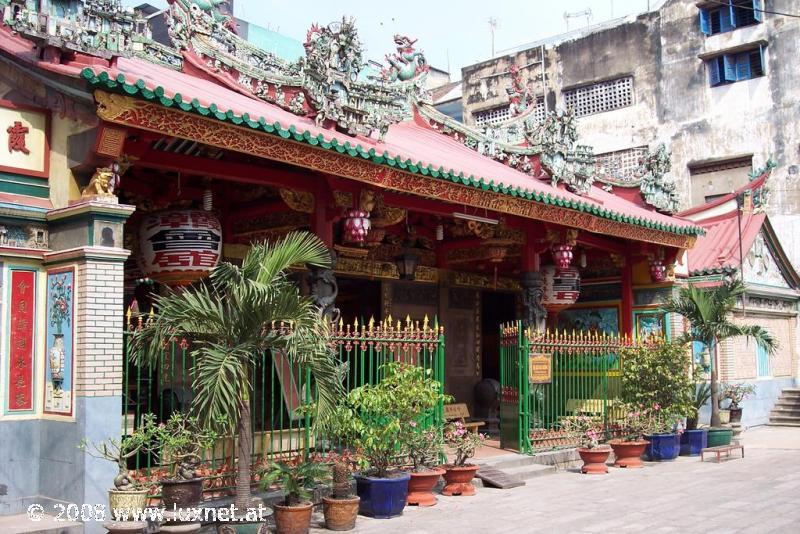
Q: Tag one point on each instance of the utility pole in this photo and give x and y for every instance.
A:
(492, 27)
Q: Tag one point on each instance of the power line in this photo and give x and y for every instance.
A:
(726, 4)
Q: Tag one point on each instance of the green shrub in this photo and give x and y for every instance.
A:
(658, 375)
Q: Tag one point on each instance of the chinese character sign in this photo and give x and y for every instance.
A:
(24, 145)
(22, 317)
(179, 247)
(60, 344)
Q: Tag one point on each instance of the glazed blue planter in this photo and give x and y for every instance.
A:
(694, 441)
(662, 447)
(382, 498)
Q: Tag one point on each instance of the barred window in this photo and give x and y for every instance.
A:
(620, 164)
(489, 117)
(599, 97)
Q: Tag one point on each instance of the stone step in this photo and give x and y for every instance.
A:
(785, 411)
(508, 461)
(784, 419)
(771, 423)
(526, 472)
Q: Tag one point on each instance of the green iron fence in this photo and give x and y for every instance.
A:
(546, 377)
(280, 388)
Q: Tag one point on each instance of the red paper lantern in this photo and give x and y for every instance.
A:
(356, 226)
(658, 271)
(178, 247)
(562, 287)
(562, 255)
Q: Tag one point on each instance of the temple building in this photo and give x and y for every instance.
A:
(129, 165)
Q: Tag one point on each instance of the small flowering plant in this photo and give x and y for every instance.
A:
(423, 447)
(462, 441)
(634, 426)
(588, 429)
(658, 421)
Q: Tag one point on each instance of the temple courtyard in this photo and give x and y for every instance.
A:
(760, 493)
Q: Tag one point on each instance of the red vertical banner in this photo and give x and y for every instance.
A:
(22, 311)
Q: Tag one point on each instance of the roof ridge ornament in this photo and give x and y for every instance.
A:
(658, 188)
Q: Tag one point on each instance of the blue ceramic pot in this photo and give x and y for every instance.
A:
(662, 447)
(694, 441)
(382, 498)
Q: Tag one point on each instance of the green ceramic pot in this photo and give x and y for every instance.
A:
(719, 436)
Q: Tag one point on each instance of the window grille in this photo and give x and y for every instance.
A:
(492, 116)
(599, 97)
(620, 164)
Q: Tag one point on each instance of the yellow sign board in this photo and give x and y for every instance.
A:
(540, 368)
(24, 147)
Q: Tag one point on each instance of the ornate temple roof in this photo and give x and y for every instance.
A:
(323, 100)
(732, 228)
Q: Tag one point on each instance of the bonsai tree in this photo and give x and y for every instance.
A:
(374, 418)
(234, 318)
(709, 310)
(180, 442)
(736, 393)
(424, 447)
(297, 479)
(119, 451)
(588, 429)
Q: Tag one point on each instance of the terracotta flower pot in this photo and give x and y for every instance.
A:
(628, 453)
(459, 480)
(736, 414)
(420, 487)
(181, 493)
(594, 460)
(293, 519)
(340, 514)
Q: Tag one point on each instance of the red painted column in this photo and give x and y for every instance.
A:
(321, 224)
(626, 321)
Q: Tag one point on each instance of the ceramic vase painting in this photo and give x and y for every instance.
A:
(60, 341)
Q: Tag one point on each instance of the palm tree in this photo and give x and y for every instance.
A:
(232, 321)
(709, 310)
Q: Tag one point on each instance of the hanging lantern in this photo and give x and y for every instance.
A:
(561, 287)
(562, 255)
(658, 271)
(407, 264)
(178, 247)
(356, 226)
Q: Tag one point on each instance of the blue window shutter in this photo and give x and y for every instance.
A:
(729, 64)
(713, 71)
(705, 22)
(758, 5)
(732, 13)
(763, 62)
(743, 66)
(726, 22)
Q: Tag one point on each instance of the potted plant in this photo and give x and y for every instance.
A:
(425, 449)
(630, 444)
(736, 393)
(180, 442)
(459, 474)
(588, 430)
(241, 313)
(128, 494)
(341, 507)
(373, 419)
(662, 430)
(693, 439)
(297, 479)
(709, 311)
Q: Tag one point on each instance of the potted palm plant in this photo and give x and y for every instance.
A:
(709, 311)
(425, 448)
(341, 507)
(372, 419)
(128, 495)
(458, 475)
(297, 480)
(180, 442)
(693, 439)
(588, 431)
(630, 444)
(242, 313)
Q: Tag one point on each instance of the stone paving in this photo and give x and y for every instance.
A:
(758, 494)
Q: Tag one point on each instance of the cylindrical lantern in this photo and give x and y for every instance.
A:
(562, 256)
(356, 226)
(658, 271)
(561, 287)
(178, 247)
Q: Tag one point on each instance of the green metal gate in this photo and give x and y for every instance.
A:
(577, 373)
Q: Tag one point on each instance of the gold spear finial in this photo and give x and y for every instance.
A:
(371, 323)
(425, 323)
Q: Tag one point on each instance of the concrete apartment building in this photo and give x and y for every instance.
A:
(715, 81)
